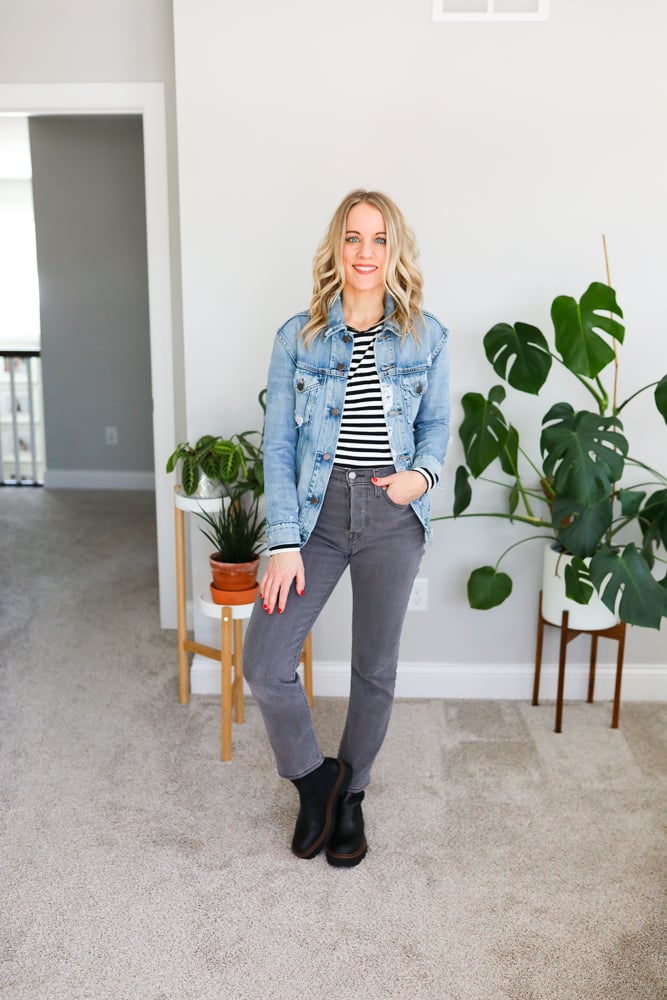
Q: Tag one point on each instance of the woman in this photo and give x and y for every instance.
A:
(357, 425)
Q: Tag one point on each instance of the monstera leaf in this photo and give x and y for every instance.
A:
(462, 491)
(583, 351)
(583, 452)
(580, 529)
(653, 524)
(487, 588)
(643, 599)
(483, 430)
(660, 396)
(519, 354)
(578, 586)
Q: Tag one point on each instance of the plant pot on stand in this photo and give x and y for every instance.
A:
(233, 583)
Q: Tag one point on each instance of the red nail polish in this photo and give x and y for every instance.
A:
(374, 479)
(280, 611)
(301, 593)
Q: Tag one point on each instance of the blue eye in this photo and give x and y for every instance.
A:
(351, 239)
(381, 240)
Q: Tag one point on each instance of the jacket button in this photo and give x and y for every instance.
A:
(326, 457)
(334, 411)
(347, 338)
(314, 500)
(418, 388)
(299, 385)
(340, 367)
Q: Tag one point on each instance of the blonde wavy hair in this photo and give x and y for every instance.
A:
(402, 278)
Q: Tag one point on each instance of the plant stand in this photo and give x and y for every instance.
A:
(231, 619)
(566, 635)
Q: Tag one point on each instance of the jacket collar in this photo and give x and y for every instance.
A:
(336, 322)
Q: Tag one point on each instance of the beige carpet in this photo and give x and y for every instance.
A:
(505, 862)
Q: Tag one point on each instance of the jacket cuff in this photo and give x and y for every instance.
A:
(284, 534)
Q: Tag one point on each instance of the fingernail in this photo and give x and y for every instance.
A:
(280, 611)
(374, 479)
(266, 607)
(301, 593)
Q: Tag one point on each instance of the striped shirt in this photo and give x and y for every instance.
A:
(363, 440)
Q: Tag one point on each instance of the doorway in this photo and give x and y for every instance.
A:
(146, 100)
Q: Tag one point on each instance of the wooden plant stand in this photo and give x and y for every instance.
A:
(566, 635)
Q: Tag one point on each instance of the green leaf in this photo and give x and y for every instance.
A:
(578, 586)
(630, 501)
(462, 490)
(487, 588)
(643, 600)
(653, 524)
(509, 453)
(575, 323)
(583, 452)
(229, 460)
(189, 474)
(580, 529)
(519, 354)
(513, 501)
(483, 430)
(209, 464)
(661, 397)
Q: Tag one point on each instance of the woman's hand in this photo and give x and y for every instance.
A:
(275, 584)
(403, 487)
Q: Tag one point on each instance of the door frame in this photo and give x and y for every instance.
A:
(147, 100)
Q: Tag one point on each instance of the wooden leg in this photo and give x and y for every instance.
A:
(561, 673)
(237, 659)
(591, 670)
(538, 653)
(619, 672)
(226, 683)
(183, 679)
(307, 657)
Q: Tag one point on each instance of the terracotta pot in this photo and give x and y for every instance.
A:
(594, 615)
(233, 597)
(233, 576)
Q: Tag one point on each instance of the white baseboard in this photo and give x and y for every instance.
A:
(101, 479)
(641, 681)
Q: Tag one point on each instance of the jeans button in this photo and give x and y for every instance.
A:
(352, 476)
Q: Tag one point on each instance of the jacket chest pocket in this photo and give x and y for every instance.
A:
(413, 387)
(306, 390)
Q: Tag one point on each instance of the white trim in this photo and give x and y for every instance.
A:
(97, 479)
(146, 99)
(641, 681)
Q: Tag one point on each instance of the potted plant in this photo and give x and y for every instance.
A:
(236, 466)
(610, 534)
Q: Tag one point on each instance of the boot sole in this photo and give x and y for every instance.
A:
(347, 860)
(339, 789)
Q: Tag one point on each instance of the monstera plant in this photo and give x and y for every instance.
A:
(578, 488)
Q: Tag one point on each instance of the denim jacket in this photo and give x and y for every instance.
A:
(306, 393)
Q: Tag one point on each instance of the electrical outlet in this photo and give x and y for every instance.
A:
(419, 595)
(111, 435)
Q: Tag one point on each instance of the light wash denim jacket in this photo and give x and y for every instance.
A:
(306, 393)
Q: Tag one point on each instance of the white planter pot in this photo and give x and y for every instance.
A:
(594, 615)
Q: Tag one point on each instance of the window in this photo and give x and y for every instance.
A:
(490, 10)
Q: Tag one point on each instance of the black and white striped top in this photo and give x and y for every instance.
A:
(363, 440)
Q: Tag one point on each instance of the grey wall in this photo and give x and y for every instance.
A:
(88, 189)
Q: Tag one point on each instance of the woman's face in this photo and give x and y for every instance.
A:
(364, 249)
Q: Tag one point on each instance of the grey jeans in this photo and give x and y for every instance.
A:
(383, 544)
